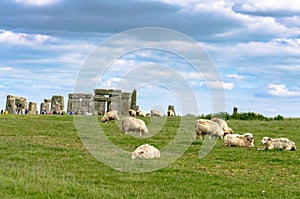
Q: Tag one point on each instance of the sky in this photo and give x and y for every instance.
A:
(254, 45)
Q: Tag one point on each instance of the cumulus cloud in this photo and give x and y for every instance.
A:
(220, 85)
(236, 76)
(280, 90)
(14, 38)
(269, 7)
(37, 2)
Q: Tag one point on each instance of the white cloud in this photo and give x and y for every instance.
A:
(281, 90)
(270, 5)
(37, 2)
(23, 38)
(6, 69)
(236, 76)
(220, 85)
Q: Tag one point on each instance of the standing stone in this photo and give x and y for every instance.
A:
(57, 103)
(81, 103)
(32, 107)
(133, 100)
(15, 104)
(110, 99)
(235, 110)
(45, 106)
(126, 102)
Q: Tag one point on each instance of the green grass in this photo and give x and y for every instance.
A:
(42, 156)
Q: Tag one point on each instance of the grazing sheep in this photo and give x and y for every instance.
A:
(140, 113)
(245, 140)
(207, 127)
(145, 151)
(111, 115)
(155, 113)
(277, 143)
(134, 124)
(132, 112)
(223, 124)
(171, 113)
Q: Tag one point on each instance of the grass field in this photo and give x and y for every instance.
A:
(42, 156)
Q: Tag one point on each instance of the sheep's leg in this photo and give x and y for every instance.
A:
(260, 149)
(195, 136)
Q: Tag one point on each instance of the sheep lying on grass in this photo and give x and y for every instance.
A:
(155, 113)
(207, 127)
(223, 124)
(277, 143)
(145, 151)
(132, 112)
(135, 125)
(111, 115)
(245, 140)
(140, 113)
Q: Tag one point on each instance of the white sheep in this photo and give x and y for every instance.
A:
(155, 113)
(135, 125)
(110, 115)
(171, 113)
(132, 112)
(277, 143)
(245, 140)
(140, 113)
(207, 127)
(145, 151)
(223, 124)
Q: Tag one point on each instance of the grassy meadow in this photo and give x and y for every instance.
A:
(42, 156)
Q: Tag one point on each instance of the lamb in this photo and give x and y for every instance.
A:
(171, 113)
(145, 151)
(140, 113)
(245, 140)
(132, 112)
(111, 115)
(203, 127)
(134, 124)
(277, 143)
(155, 113)
(223, 124)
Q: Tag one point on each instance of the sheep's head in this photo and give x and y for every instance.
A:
(249, 136)
(265, 140)
(104, 118)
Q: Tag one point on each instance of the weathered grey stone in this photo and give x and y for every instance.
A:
(110, 99)
(15, 104)
(57, 103)
(133, 104)
(81, 103)
(45, 106)
(32, 107)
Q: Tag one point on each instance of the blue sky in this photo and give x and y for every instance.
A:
(254, 44)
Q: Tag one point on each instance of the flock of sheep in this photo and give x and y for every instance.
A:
(214, 128)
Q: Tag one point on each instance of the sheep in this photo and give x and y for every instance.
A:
(277, 143)
(171, 113)
(140, 113)
(155, 113)
(145, 151)
(111, 115)
(223, 124)
(203, 127)
(134, 124)
(132, 112)
(245, 140)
